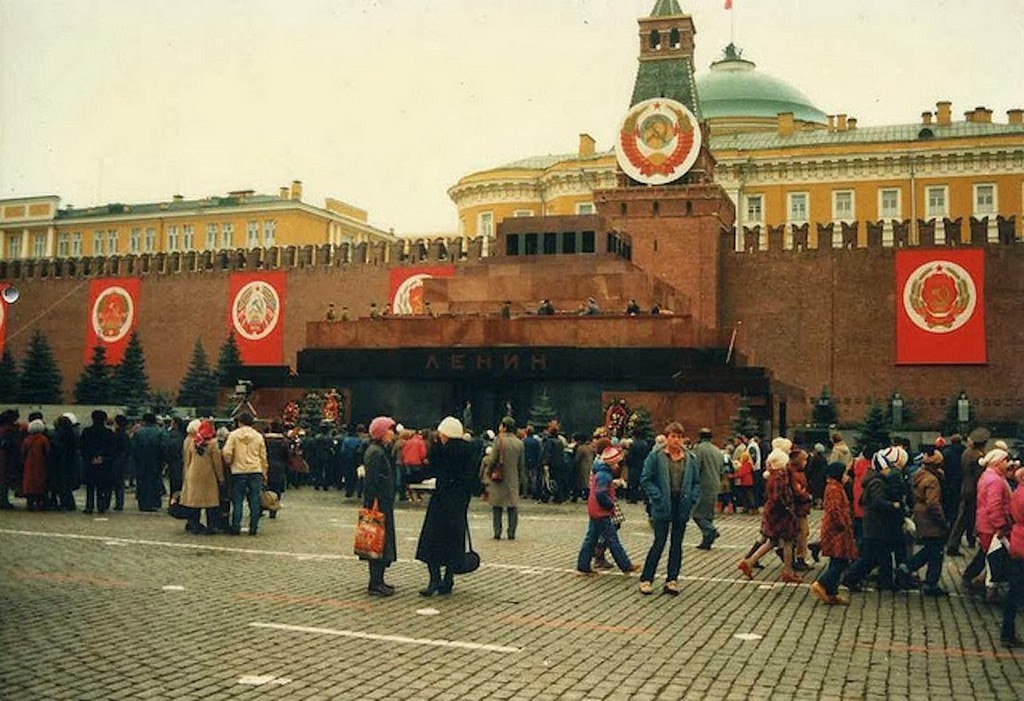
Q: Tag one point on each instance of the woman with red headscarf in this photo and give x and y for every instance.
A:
(202, 475)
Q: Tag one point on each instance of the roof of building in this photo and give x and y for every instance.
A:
(735, 88)
(549, 160)
(142, 209)
(666, 8)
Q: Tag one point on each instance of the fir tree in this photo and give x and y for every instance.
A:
(131, 385)
(199, 388)
(160, 402)
(40, 381)
(874, 431)
(744, 423)
(229, 362)
(824, 413)
(96, 383)
(542, 413)
(8, 377)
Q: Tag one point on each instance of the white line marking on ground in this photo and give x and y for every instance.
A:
(173, 587)
(748, 636)
(427, 612)
(261, 679)
(484, 647)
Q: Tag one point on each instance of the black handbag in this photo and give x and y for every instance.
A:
(471, 559)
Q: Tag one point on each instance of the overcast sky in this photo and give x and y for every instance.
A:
(387, 103)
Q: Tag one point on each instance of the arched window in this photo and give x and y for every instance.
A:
(673, 39)
(655, 39)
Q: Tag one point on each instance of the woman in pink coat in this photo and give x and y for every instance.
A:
(1015, 596)
(993, 508)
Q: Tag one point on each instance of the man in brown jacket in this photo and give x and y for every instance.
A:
(970, 472)
(931, 524)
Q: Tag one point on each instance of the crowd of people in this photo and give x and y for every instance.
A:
(877, 505)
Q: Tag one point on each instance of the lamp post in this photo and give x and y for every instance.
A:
(963, 411)
(897, 410)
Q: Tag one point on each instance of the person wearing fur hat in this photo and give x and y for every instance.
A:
(930, 523)
(379, 489)
(836, 536)
(778, 519)
(35, 451)
(883, 523)
(202, 476)
(600, 509)
(993, 508)
(442, 544)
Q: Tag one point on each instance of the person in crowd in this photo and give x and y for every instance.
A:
(174, 444)
(379, 490)
(10, 455)
(930, 524)
(531, 451)
(552, 458)
(883, 523)
(952, 455)
(501, 475)
(671, 480)
(122, 459)
(633, 309)
(64, 471)
(970, 472)
(1015, 571)
(779, 525)
(351, 456)
(727, 475)
(993, 510)
(246, 452)
(709, 459)
(35, 451)
(330, 314)
(413, 458)
(600, 512)
(743, 482)
(639, 449)
(855, 489)
(757, 460)
(97, 446)
(802, 501)
(279, 453)
(149, 453)
(836, 536)
(817, 464)
(546, 308)
(583, 457)
(840, 451)
(454, 464)
(202, 476)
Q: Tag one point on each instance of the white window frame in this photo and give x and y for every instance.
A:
(135, 240)
(99, 243)
(172, 238)
(211, 237)
(76, 244)
(932, 212)
(112, 241)
(150, 242)
(14, 246)
(523, 213)
(882, 214)
(992, 207)
(63, 244)
(252, 234)
(269, 232)
(188, 237)
(485, 224)
(749, 203)
(586, 208)
(791, 197)
(38, 245)
(227, 234)
(837, 216)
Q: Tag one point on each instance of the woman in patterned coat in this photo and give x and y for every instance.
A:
(836, 536)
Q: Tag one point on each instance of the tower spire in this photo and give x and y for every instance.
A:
(666, 57)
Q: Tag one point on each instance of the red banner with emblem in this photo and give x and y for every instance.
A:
(256, 316)
(940, 306)
(3, 320)
(113, 314)
(406, 295)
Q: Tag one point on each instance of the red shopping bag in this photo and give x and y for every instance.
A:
(369, 543)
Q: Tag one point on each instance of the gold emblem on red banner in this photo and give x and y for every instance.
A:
(256, 310)
(658, 142)
(940, 296)
(112, 314)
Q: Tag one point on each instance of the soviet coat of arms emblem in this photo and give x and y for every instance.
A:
(939, 296)
(659, 141)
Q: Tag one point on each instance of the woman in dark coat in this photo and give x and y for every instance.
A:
(380, 487)
(64, 470)
(278, 452)
(98, 449)
(443, 537)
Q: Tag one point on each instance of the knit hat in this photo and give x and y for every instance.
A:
(820, 447)
(782, 443)
(380, 426)
(612, 455)
(193, 426)
(835, 470)
(36, 426)
(994, 458)
(450, 427)
(70, 417)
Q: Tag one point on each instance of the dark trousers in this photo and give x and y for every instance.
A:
(148, 487)
(931, 554)
(707, 529)
(875, 552)
(119, 494)
(1014, 598)
(964, 524)
(246, 487)
(676, 527)
(97, 497)
(601, 527)
(348, 476)
(513, 521)
(832, 574)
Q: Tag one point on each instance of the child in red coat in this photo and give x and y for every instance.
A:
(836, 536)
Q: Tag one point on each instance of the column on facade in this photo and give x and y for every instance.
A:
(992, 233)
(23, 251)
(51, 235)
(940, 231)
(887, 233)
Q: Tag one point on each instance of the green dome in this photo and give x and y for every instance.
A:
(735, 88)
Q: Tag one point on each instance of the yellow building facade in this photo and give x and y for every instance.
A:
(38, 228)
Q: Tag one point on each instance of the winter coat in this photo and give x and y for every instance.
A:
(97, 445)
(531, 446)
(380, 487)
(654, 480)
(970, 473)
(122, 454)
(10, 454)
(1017, 532)
(583, 462)
(64, 473)
(929, 517)
(745, 471)
(414, 451)
(816, 466)
(710, 460)
(860, 469)
(148, 449)
(801, 493)
(174, 456)
(278, 454)
(841, 453)
(993, 513)
(779, 522)
(443, 536)
(837, 523)
(601, 498)
(35, 449)
(203, 473)
(246, 451)
(882, 520)
(507, 449)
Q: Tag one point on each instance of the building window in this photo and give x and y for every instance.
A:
(97, 243)
(798, 209)
(843, 206)
(14, 246)
(485, 224)
(269, 232)
(755, 209)
(984, 200)
(935, 201)
(889, 204)
(588, 242)
(63, 245)
(135, 241)
(227, 233)
(150, 240)
(112, 241)
(39, 245)
(211, 237)
(76, 245)
(188, 234)
(172, 238)
(585, 208)
(550, 243)
(252, 234)
(530, 245)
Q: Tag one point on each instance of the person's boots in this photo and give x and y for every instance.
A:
(448, 583)
(513, 522)
(435, 581)
(496, 521)
(377, 587)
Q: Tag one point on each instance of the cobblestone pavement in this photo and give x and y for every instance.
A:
(130, 606)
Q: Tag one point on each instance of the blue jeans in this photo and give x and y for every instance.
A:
(830, 577)
(707, 529)
(931, 554)
(246, 485)
(1014, 598)
(677, 525)
(605, 528)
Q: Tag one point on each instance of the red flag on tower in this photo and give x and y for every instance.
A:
(728, 4)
